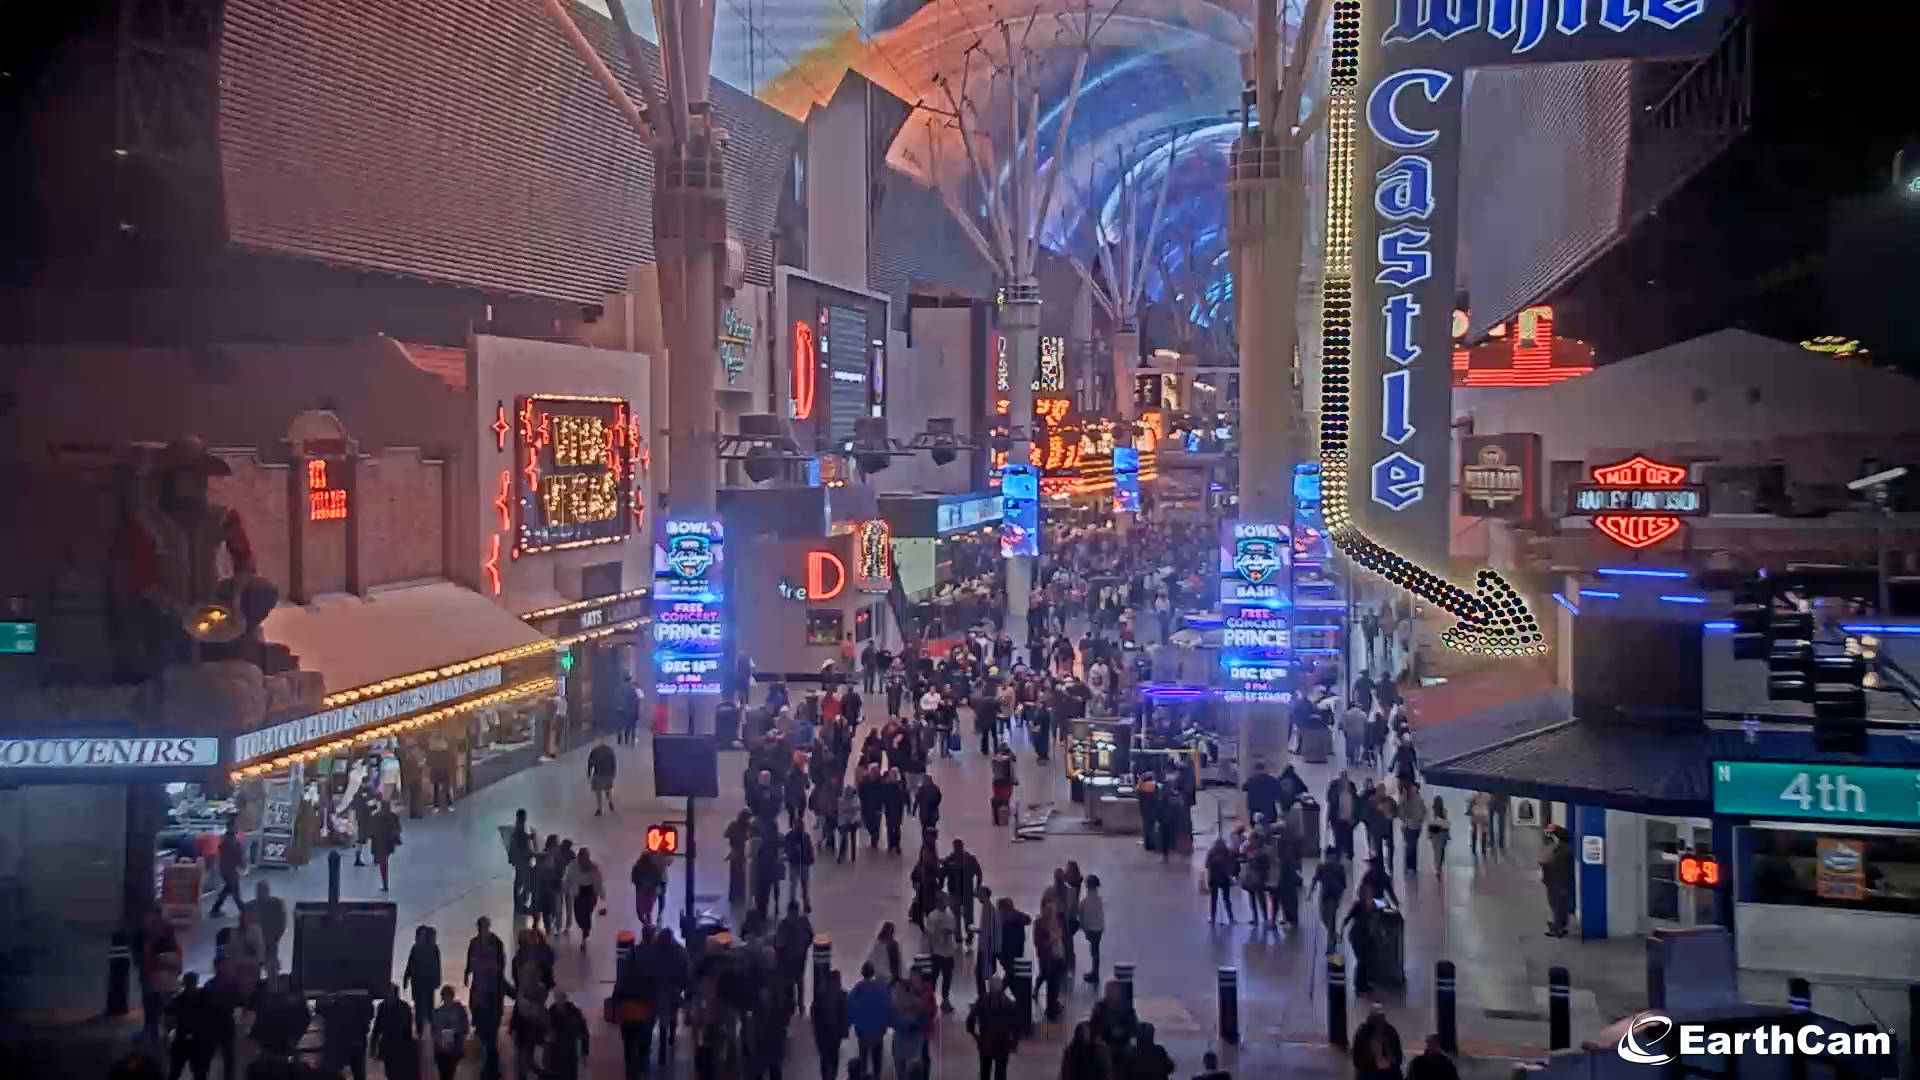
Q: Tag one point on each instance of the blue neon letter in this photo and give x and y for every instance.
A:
(1383, 107)
(1396, 390)
(1400, 311)
(1404, 259)
(1533, 25)
(1398, 481)
(1667, 14)
(1573, 17)
(1405, 190)
(1442, 19)
(1617, 15)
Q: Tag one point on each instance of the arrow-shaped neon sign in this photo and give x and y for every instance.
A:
(1493, 616)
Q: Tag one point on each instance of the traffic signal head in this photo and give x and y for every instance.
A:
(663, 839)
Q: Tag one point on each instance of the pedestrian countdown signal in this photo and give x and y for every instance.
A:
(663, 839)
(1699, 870)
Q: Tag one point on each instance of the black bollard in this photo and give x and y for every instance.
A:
(333, 876)
(1559, 1009)
(1021, 984)
(119, 964)
(1124, 974)
(1444, 986)
(1336, 999)
(1799, 995)
(1230, 1006)
(822, 963)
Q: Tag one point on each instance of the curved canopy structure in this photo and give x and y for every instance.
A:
(1161, 74)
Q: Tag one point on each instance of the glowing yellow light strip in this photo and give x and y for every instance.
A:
(582, 605)
(1494, 618)
(401, 682)
(600, 632)
(398, 727)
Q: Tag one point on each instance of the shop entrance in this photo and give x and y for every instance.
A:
(1671, 901)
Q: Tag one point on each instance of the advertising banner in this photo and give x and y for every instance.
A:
(1020, 515)
(1256, 608)
(1126, 480)
(689, 621)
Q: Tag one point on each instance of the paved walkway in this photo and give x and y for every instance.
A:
(1486, 917)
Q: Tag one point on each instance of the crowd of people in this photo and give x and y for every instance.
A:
(844, 766)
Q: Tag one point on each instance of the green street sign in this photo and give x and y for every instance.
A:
(19, 638)
(1866, 794)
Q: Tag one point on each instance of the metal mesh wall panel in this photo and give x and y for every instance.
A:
(1543, 175)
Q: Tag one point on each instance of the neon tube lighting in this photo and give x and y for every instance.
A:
(1602, 594)
(1643, 573)
(1566, 603)
(1717, 624)
(1874, 628)
(1673, 598)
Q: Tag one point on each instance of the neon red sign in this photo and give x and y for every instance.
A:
(1638, 502)
(805, 369)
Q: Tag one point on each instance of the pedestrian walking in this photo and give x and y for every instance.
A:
(870, 1015)
(830, 1023)
(567, 1039)
(995, 1024)
(1432, 1063)
(395, 1039)
(1330, 881)
(585, 889)
(422, 973)
(1093, 923)
(852, 812)
(232, 861)
(1376, 1047)
(1220, 869)
(450, 1029)
(602, 764)
(1413, 818)
(1439, 830)
(270, 913)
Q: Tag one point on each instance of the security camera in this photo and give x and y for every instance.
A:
(1879, 479)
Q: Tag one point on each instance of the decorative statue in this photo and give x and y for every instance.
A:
(169, 557)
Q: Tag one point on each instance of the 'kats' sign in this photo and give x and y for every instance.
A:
(137, 753)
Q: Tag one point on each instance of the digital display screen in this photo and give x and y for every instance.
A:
(689, 618)
(1256, 602)
(575, 464)
(1020, 513)
(1126, 480)
(844, 346)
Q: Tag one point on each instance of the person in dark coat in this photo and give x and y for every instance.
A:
(829, 1023)
(567, 1038)
(927, 804)
(1432, 1063)
(1376, 1047)
(394, 1043)
(872, 799)
(193, 1029)
(348, 1018)
(893, 804)
(384, 839)
(1086, 1057)
(487, 992)
(994, 1023)
(422, 974)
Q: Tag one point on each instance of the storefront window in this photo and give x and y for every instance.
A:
(1668, 898)
(1856, 870)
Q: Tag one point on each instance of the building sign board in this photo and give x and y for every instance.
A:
(1500, 476)
(1256, 601)
(1397, 80)
(1638, 502)
(360, 714)
(1824, 791)
(576, 472)
(148, 752)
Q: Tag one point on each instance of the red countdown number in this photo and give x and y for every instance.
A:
(1699, 870)
(663, 839)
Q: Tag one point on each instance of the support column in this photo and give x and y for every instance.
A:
(1020, 322)
(1264, 231)
(690, 237)
(1126, 359)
